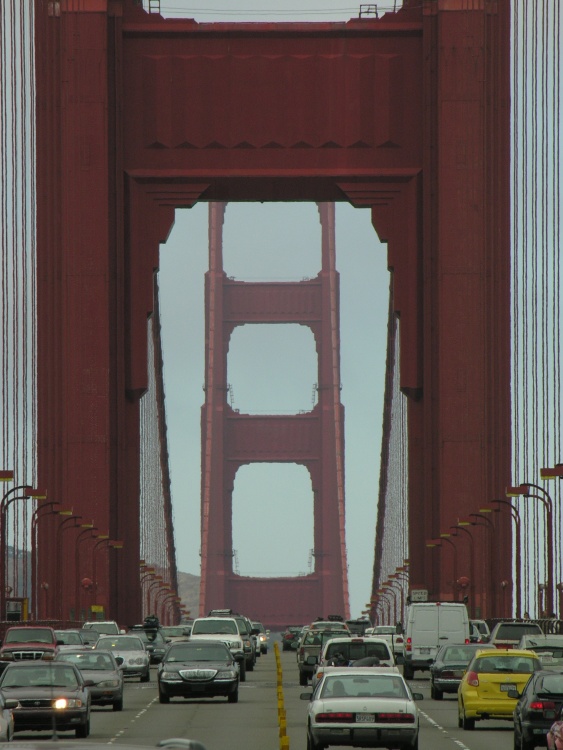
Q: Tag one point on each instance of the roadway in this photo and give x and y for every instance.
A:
(252, 723)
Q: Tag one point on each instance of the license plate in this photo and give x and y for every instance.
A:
(424, 650)
(365, 718)
(506, 686)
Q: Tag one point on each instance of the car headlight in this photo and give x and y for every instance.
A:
(62, 703)
(165, 675)
(108, 683)
(138, 660)
(235, 644)
(227, 674)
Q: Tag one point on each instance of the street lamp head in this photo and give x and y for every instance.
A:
(6, 476)
(521, 489)
(552, 472)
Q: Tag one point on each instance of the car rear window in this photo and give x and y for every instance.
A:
(506, 664)
(352, 651)
(515, 631)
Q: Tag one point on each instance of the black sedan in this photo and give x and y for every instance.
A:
(101, 668)
(49, 694)
(539, 705)
(448, 668)
(198, 669)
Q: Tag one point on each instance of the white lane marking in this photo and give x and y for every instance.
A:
(121, 732)
(445, 732)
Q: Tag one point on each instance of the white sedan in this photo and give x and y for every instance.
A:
(362, 707)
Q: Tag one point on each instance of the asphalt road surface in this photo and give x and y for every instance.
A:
(252, 723)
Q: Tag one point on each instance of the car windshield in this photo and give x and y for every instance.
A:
(515, 631)
(461, 654)
(29, 635)
(150, 636)
(509, 664)
(121, 644)
(88, 660)
(214, 627)
(351, 651)
(172, 632)
(54, 676)
(194, 652)
(68, 638)
(370, 686)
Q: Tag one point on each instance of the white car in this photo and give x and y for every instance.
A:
(130, 653)
(362, 707)
(394, 639)
(347, 652)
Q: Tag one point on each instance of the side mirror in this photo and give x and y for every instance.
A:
(255, 631)
(305, 696)
(295, 645)
(11, 703)
(119, 660)
(399, 628)
(60, 643)
(311, 660)
(89, 683)
(513, 693)
(418, 696)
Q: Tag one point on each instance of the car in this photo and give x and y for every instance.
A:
(508, 634)
(226, 630)
(154, 640)
(89, 637)
(50, 695)
(479, 631)
(102, 670)
(539, 705)
(245, 629)
(104, 627)
(263, 636)
(7, 706)
(362, 707)
(350, 652)
(484, 688)
(448, 667)
(309, 650)
(26, 642)
(198, 669)
(549, 649)
(69, 639)
(393, 637)
(130, 653)
(290, 635)
(359, 626)
(173, 633)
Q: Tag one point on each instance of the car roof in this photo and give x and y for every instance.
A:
(363, 671)
(486, 652)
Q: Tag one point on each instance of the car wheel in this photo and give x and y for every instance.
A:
(83, 730)
(467, 724)
(146, 677)
(523, 744)
(436, 694)
(243, 671)
(408, 672)
(118, 705)
(250, 666)
(162, 697)
(233, 697)
(302, 679)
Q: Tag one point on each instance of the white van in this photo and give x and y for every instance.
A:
(430, 625)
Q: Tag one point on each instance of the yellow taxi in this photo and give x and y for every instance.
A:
(492, 678)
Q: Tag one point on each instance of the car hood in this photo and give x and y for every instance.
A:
(101, 675)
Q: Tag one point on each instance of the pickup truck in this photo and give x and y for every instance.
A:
(309, 650)
(26, 642)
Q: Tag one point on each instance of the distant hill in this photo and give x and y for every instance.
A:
(188, 590)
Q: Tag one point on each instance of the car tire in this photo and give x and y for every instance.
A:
(408, 671)
(467, 724)
(146, 677)
(118, 705)
(436, 694)
(303, 679)
(524, 744)
(312, 745)
(162, 697)
(250, 666)
(233, 697)
(83, 730)
(243, 671)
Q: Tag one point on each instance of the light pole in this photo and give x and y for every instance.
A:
(461, 526)
(384, 598)
(104, 541)
(515, 513)
(523, 490)
(82, 536)
(73, 521)
(489, 564)
(7, 500)
(156, 582)
(36, 515)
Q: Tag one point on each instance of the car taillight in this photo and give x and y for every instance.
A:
(542, 706)
(336, 717)
(409, 644)
(472, 679)
(395, 718)
(447, 675)
(302, 651)
(467, 640)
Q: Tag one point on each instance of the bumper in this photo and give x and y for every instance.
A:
(194, 689)
(446, 686)
(42, 719)
(418, 662)
(365, 736)
(105, 696)
(489, 709)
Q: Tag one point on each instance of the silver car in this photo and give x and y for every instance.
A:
(130, 653)
(101, 669)
(362, 707)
